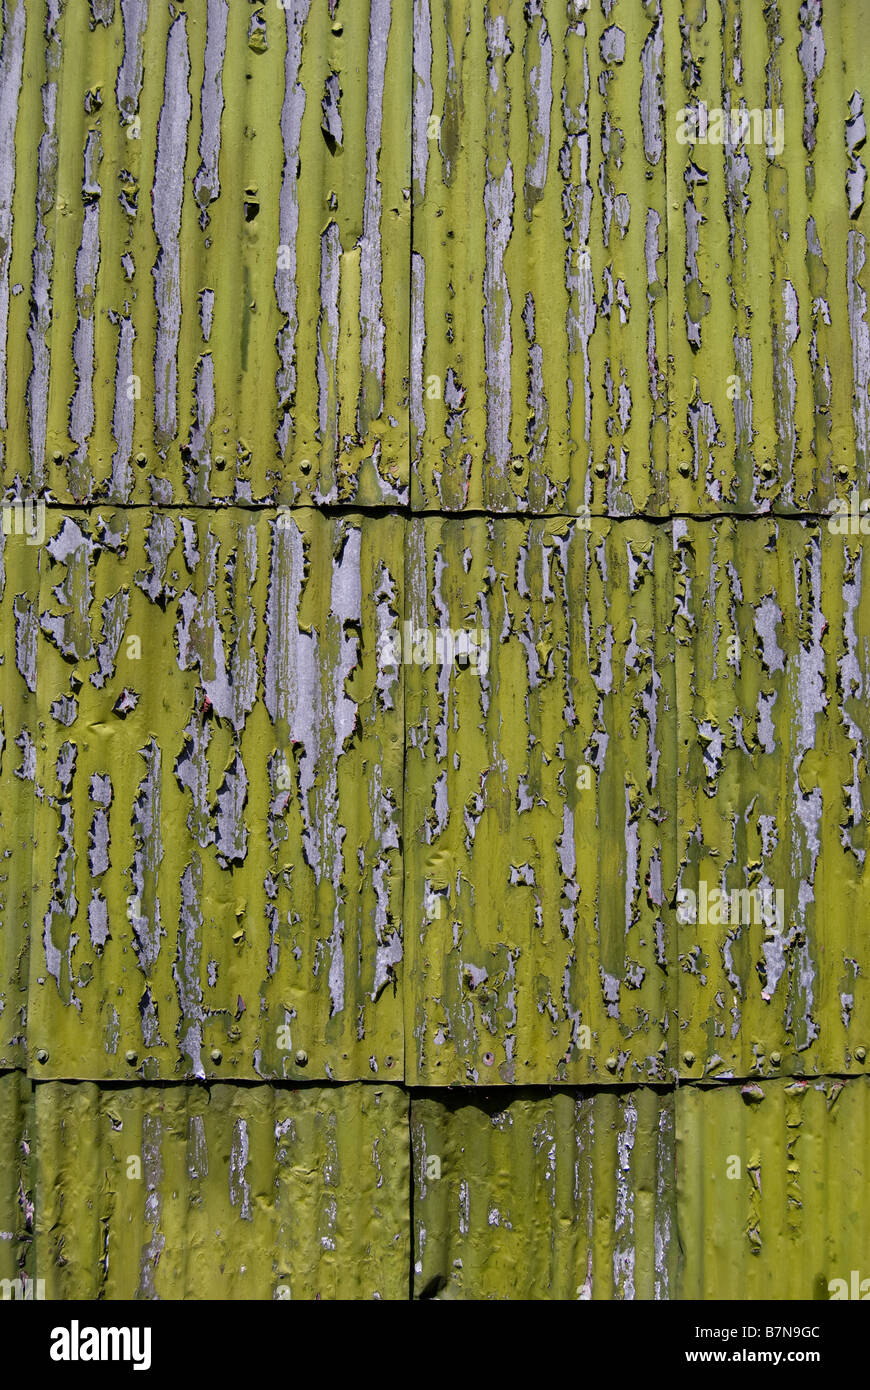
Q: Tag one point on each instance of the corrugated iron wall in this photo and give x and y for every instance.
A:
(433, 691)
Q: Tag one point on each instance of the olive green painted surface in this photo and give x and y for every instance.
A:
(540, 237)
(722, 1191)
(19, 738)
(541, 953)
(17, 1177)
(211, 1192)
(209, 210)
(773, 664)
(768, 339)
(559, 1195)
(426, 257)
(219, 798)
(733, 1191)
(772, 1182)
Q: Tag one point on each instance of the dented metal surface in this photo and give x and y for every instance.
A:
(204, 240)
(772, 1183)
(197, 1192)
(734, 1191)
(530, 1194)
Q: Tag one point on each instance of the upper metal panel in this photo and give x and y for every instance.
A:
(539, 242)
(768, 340)
(204, 246)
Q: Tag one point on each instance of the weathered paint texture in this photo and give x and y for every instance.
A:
(562, 1194)
(539, 809)
(772, 628)
(218, 797)
(205, 218)
(768, 340)
(231, 1192)
(327, 329)
(743, 1191)
(539, 328)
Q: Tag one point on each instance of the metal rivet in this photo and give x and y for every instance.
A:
(42, 1056)
(301, 1058)
(132, 1057)
(775, 1059)
(689, 1059)
(611, 1064)
(216, 1054)
(860, 1053)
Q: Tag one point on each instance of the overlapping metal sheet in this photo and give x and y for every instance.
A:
(735, 1191)
(539, 318)
(772, 1183)
(208, 1192)
(276, 1192)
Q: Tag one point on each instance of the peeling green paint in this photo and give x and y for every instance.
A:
(209, 876)
(215, 308)
(540, 805)
(539, 327)
(384, 264)
(772, 668)
(209, 1192)
(562, 1195)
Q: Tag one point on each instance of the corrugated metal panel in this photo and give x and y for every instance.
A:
(218, 865)
(16, 1178)
(712, 1192)
(768, 337)
(536, 935)
(205, 219)
(231, 1192)
(215, 816)
(19, 739)
(539, 319)
(773, 666)
(772, 1188)
(545, 1195)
